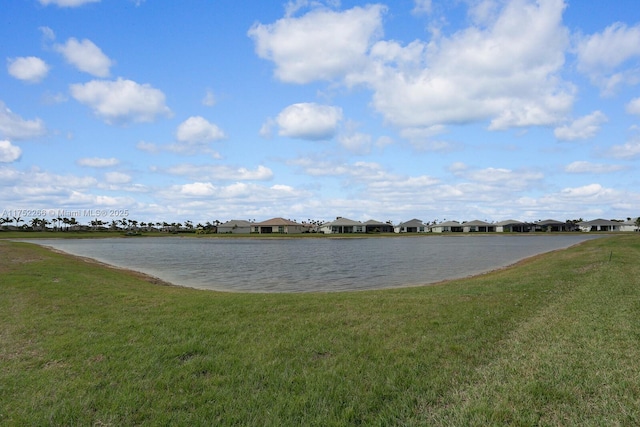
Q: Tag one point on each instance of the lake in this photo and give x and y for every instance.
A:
(313, 265)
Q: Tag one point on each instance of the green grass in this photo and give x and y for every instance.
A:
(552, 341)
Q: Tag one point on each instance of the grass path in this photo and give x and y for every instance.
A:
(554, 340)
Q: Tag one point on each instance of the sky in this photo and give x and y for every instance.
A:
(217, 110)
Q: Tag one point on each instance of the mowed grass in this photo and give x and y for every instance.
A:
(554, 340)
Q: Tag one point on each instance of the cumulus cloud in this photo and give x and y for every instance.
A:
(117, 178)
(628, 150)
(505, 71)
(499, 177)
(85, 56)
(30, 69)
(67, 3)
(504, 68)
(239, 191)
(121, 101)
(14, 127)
(8, 152)
(593, 168)
(309, 121)
(321, 45)
(633, 107)
(601, 55)
(197, 129)
(583, 128)
(221, 172)
(98, 162)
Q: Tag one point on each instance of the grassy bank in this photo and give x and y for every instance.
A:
(552, 341)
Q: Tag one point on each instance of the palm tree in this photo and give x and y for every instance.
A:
(17, 220)
(35, 222)
(6, 220)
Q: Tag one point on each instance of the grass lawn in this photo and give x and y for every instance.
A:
(554, 340)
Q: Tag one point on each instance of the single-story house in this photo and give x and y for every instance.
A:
(512, 226)
(446, 227)
(342, 225)
(235, 226)
(373, 226)
(412, 226)
(478, 226)
(630, 225)
(600, 225)
(278, 225)
(552, 225)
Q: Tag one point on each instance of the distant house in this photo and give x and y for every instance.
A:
(447, 227)
(629, 225)
(373, 226)
(278, 225)
(512, 226)
(552, 225)
(600, 225)
(478, 226)
(235, 226)
(412, 226)
(343, 225)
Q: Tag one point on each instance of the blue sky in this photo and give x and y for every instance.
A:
(437, 110)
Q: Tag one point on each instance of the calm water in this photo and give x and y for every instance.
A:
(308, 265)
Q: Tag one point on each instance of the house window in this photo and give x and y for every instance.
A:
(358, 229)
(281, 229)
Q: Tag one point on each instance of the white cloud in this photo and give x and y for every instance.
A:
(238, 192)
(8, 152)
(505, 72)
(117, 178)
(602, 54)
(633, 107)
(309, 121)
(148, 147)
(14, 127)
(85, 56)
(197, 129)
(628, 150)
(592, 168)
(198, 189)
(30, 68)
(121, 101)
(421, 7)
(505, 69)
(356, 142)
(67, 3)
(47, 33)
(209, 99)
(321, 45)
(499, 178)
(589, 192)
(583, 128)
(221, 172)
(98, 162)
